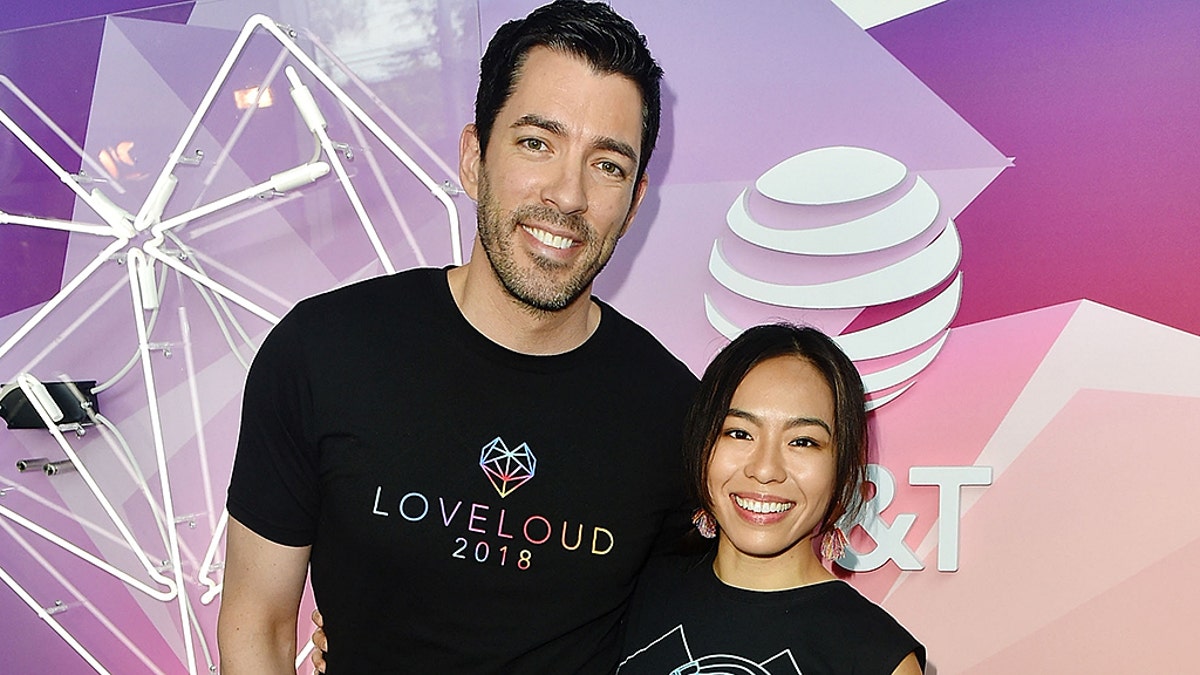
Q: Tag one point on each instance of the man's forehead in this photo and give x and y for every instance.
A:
(542, 57)
(547, 76)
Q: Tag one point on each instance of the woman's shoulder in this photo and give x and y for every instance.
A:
(855, 615)
(840, 596)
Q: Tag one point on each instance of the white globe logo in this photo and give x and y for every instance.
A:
(828, 233)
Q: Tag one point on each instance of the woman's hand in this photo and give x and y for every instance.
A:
(319, 642)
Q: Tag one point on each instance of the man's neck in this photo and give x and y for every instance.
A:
(503, 319)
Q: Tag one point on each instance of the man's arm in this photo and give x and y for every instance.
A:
(256, 627)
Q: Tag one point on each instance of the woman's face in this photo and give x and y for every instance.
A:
(772, 470)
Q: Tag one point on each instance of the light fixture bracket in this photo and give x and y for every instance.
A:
(75, 398)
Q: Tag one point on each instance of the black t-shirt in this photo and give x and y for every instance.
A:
(683, 615)
(470, 508)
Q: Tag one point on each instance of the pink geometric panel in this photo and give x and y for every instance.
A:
(948, 417)
(1082, 510)
(1165, 622)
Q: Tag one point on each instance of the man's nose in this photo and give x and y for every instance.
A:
(565, 188)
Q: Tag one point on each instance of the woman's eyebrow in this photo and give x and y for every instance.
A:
(809, 422)
(791, 423)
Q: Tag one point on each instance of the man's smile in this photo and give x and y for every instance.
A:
(549, 239)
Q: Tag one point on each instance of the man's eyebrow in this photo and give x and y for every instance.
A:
(602, 143)
(540, 122)
(619, 147)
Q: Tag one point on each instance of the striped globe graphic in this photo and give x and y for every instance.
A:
(849, 240)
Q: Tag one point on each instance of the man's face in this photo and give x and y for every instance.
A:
(558, 188)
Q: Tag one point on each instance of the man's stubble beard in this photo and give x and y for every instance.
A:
(539, 289)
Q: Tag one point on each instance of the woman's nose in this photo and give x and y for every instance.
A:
(765, 464)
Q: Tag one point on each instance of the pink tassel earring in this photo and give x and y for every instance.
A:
(704, 524)
(833, 544)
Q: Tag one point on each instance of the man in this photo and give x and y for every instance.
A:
(477, 461)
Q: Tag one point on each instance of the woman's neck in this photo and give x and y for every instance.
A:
(796, 567)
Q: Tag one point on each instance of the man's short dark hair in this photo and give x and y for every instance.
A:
(592, 31)
(727, 370)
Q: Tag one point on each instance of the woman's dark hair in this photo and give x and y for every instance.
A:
(591, 31)
(706, 417)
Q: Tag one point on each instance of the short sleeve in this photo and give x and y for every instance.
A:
(275, 487)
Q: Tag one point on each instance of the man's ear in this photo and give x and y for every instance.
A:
(469, 158)
(639, 192)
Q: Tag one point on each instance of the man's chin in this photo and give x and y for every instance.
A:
(542, 304)
(549, 296)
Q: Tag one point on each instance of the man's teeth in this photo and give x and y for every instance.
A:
(762, 507)
(551, 240)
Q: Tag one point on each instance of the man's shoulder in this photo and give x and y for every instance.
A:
(673, 568)
(412, 284)
(640, 348)
(373, 306)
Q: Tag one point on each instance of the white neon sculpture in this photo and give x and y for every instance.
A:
(432, 156)
(144, 216)
(35, 392)
(136, 263)
(153, 232)
(97, 204)
(307, 105)
(58, 131)
(100, 617)
(51, 621)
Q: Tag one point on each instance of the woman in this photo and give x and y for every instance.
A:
(776, 450)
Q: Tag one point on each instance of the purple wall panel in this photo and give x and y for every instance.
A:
(19, 14)
(1100, 110)
(60, 81)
